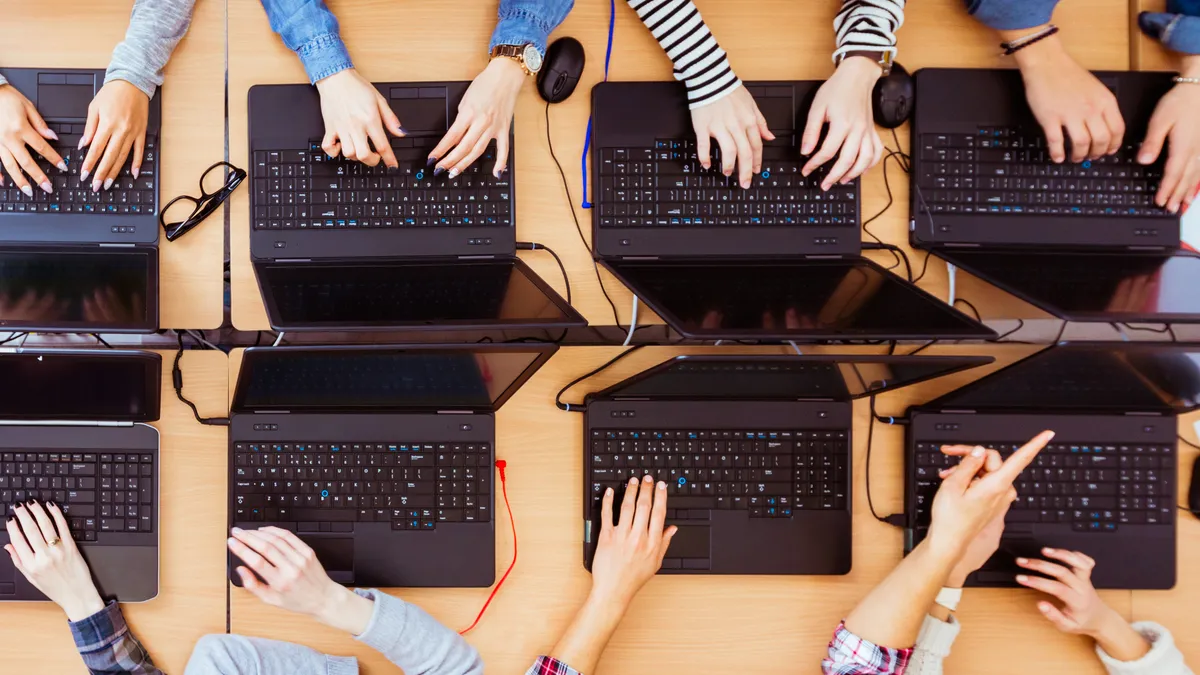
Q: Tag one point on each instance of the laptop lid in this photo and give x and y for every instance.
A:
(785, 378)
(411, 294)
(1115, 378)
(791, 300)
(385, 379)
(1092, 286)
(78, 289)
(80, 385)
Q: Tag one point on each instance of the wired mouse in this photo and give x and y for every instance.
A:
(562, 70)
(892, 98)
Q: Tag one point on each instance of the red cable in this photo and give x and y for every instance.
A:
(500, 464)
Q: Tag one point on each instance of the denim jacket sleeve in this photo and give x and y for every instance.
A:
(311, 30)
(529, 22)
(1012, 14)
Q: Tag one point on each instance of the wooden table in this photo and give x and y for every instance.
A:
(191, 276)
(191, 601)
(780, 39)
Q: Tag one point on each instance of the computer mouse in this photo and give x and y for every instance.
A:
(1194, 492)
(561, 71)
(892, 99)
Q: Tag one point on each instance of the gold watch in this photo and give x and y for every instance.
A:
(527, 55)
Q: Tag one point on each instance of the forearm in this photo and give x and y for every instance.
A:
(1190, 67)
(1018, 15)
(311, 30)
(892, 612)
(699, 61)
(524, 22)
(107, 646)
(1119, 640)
(584, 640)
(414, 640)
(155, 28)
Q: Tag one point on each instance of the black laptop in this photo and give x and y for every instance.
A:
(76, 260)
(1106, 485)
(74, 430)
(380, 458)
(340, 245)
(715, 261)
(755, 450)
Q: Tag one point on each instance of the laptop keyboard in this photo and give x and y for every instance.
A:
(771, 474)
(328, 487)
(300, 189)
(98, 492)
(128, 195)
(1093, 487)
(1009, 171)
(665, 186)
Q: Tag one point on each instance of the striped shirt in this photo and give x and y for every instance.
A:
(700, 63)
(868, 25)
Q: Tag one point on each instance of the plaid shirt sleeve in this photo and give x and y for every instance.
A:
(852, 655)
(107, 646)
(548, 666)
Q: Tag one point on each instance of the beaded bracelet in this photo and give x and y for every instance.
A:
(1179, 79)
(1017, 45)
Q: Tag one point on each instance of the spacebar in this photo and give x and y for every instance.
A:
(324, 515)
(691, 502)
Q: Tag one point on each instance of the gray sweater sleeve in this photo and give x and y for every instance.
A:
(155, 27)
(1164, 658)
(415, 641)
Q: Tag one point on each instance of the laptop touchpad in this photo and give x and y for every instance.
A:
(64, 100)
(336, 555)
(421, 115)
(690, 542)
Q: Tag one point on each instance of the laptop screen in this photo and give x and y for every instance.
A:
(75, 289)
(383, 379)
(786, 377)
(1120, 287)
(72, 385)
(1124, 377)
(808, 299)
(433, 294)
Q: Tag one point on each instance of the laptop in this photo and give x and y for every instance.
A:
(755, 450)
(74, 260)
(778, 261)
(74, 429)
(379, 458)
(340, 245)
(1106, 485)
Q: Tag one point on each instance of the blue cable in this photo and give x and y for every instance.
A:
(587, 141)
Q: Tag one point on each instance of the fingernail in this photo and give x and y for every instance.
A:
(1021, 578)
(50, 133)
(1022, 561)
(728, 174)
(135, 171)
(1173, 208)
(454, 172)
(439, 171)
(236, 530)
(608, 492)
(62, 166)
(401, 131)
(431, 161)
(1047, 550)
(977, 451)
(47, 187)
(96, 185)
(662, 485)
(745, 185)
(83, 174)
(1145, 158)
(1051, 434)
(108, 183)
(80, 146)
(27, 190)
(632, 481)
(33, 501)
(648, 479)
(230, 540)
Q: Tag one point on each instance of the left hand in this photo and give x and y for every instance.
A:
(57, 570)
(1175, 118)
(116, 125)
(844, 101)
(485, 114)
(739, 127)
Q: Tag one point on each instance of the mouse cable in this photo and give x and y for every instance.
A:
(500, 466)
(14, 336)
(880, 244)
(177, 380)
(101, 340)
(534, 246)
(579, 408)
(905, 162)
(1165, 330)
(1186, 441)
(1020, 325)
(970, 304)
(896, 519)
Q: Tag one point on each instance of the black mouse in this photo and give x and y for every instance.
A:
(1194, 492)
(892, 99)
(560, 73)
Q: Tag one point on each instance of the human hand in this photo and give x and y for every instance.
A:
(31, 307)
(484, 114)
(629, 552)
(1175, 119)
(116, 124)
(844, 101)
(106, 306)
(966, 502)
(735, 121)
(1063, 94)
(984, 545)
(355, 115)
(21, 126)
(42, 549)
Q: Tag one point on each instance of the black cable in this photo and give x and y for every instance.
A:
(580, 407)
(12, 337)
(924, 267)
(534, 246)
(891, 200)
(575, 217)
(1165, 330)
(101, 340)
(1061, 330)
(177, 380)
(896, 519)
(896, 252)
(1189, 443)
(1020, 325)
(968, 303)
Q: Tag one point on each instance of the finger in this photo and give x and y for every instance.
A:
(666, 542)
(658, 512)
(1020, 459)
(1056, 617)
(756, 147)
(501, 154)
(14, 172)
(839, 172)
(745, 157)
(330, 143)
(625, 518)
(1100, 137)
(833, 141)
(139, 151)
(60, 523)
(89, 129)
(728, 151)
(1193, 182)
(1081, 141)
(1047, 586)
(264, 545)
(1184, 179)
(284, 550)
(41, 147)
(389, 117)
(29, 165)
(95, 152)
(362, 147)
(253, 560)
(17, 540)
(1116, 128)
(260, 591)
(36, 121)
(461, 151)
(959, 450)
(44, 523)
(992, 461)
(33, 534)
(606, 515)
(1055, 141)
(462, 123)
(812, 130)
(382, 146)
(967, 468)
(702, 150)
(12, 553)
(476, 152)
(641, 517)
(291, 540)
(1063, 574)
(114, 159)
(866, 159)
(1156, 138)
(1082, 563)
(764, 130)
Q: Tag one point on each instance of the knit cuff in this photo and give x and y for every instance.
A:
(937, 637)
(387, 620)
(341, 665)
(1163, 657)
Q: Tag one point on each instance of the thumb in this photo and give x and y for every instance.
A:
(967, 469)
(666, 542)
(35, 118)
(389, 118)
(1156, 136)
(812, 131)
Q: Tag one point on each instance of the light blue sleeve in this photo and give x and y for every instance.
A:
(529, 22)
(311, 30)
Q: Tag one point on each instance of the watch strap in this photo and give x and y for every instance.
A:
(514, 52)
(883, 58)
(949, 598)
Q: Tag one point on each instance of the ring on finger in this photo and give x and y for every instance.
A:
(54, 542)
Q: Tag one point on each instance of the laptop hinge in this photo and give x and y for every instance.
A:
(630, 398)
(63, 423)
(117, 245)
(1156, 249)
(638, 257)
(957, 412)
(476, 257)
(587, 531)
(824, 257)
(291, 260)
(456, 412)
(1144, 414)
(960, 245)
(272, 412)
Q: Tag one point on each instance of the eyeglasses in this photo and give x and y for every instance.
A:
(212, 195)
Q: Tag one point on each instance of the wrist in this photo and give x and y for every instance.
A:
(323, 83)
(510, 68)
(861, 67)
(606, 604)
(81, 608)
(957, 579)
(1046, 50)
(345, 610)
(944, 550)
(1190, 66)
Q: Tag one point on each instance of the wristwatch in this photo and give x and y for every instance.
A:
(949, 598)
(884, 59)
(527, 55)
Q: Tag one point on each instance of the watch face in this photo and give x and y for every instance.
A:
(533, 58)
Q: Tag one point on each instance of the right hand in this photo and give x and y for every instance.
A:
(965, 503)
(844, 101)
(984, 545)
(1063, 94)
(355, 116)
(58, 571)
(629, 552)
(1083, 612)
(21, 126)
(735, 121)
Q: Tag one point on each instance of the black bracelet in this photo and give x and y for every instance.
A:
(1015, 46)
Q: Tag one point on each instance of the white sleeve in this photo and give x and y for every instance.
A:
(933, 646)
(1164, 658)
